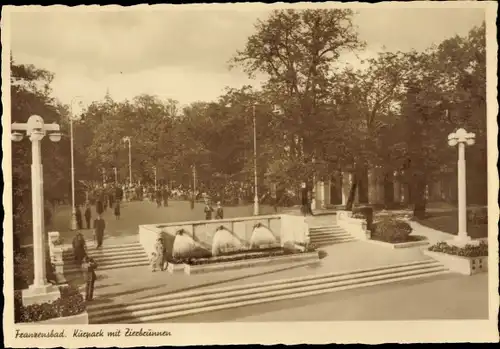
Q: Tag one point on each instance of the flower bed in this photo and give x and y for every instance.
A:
(70, 304)
(252, 260)
(467, 260)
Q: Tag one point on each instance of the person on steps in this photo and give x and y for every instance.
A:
(99, 227)
(88, 267)
(79, 248)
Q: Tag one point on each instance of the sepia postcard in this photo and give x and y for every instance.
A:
(249, 173)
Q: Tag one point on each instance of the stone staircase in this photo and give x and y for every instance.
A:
(328, 235)
(162, 307)
(109, 257)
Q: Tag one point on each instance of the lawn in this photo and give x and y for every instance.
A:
(448, 222)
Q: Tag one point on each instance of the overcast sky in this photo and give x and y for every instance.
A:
(183, 54)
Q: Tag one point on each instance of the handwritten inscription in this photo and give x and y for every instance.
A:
(127, 332)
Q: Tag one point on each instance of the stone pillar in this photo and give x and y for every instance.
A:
(40, 290)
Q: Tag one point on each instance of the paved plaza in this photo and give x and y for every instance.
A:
(433, 298)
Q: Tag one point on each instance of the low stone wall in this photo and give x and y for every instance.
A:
(354, 226)
(285, 228)
(459, 264)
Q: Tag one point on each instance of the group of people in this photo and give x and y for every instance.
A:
(219, 211)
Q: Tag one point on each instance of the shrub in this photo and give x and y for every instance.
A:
(391, 230)
(23, 271)
(468, 250)
(70, 303)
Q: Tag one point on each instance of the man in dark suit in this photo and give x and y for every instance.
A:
(88, 267)
(99, 227)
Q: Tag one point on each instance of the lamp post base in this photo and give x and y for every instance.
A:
(73, 223)
(40, 294)
(255, 207)
(463, 239)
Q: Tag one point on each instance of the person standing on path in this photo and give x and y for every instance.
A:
(157, 256)
(79, 221)
(158, 198)
(208, 210)
(99, 227)
(88, 267)
(88, 215)
(304, 196)
(117, 210)
(165, 196)
(220, 211)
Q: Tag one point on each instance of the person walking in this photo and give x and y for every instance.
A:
(88, 215)
(88, 267)
(219, 214)
(117, 210)
(99, 227)
(99, 208)
(79, 220)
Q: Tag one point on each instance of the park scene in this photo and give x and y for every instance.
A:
(322, 173)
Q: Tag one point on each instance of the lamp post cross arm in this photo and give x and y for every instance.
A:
(16, 126)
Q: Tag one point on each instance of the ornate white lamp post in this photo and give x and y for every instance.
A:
(256, 196)
(127, 139)
(462, 137)
(36, 130)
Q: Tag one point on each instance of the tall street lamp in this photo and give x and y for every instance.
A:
(256, 196)
(462, 137)
(116, 174)
(36, 130)
(127, 139)
(73, 224)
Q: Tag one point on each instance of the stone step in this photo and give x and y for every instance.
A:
(328, 243)
(74, 269)
(332, 238)
(328, 228)
(329, 234)
(164, 307)
(96, 254)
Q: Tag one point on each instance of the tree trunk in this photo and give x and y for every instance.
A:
(363, 184)
(418, 197)
(389, 189)
(352, 194)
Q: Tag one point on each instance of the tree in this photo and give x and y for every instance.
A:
(297, 50)
(30, 94)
